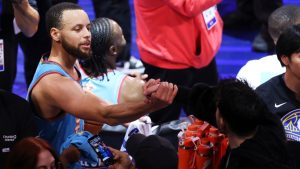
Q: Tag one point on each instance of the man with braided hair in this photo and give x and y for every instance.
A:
(107, 43)
(98, 72)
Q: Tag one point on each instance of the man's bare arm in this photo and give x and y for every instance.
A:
(26, 16)
(67, 95)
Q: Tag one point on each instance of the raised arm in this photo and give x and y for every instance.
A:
(67, 95)
(27, 18)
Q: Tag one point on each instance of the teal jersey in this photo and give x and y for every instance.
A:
(56, 130)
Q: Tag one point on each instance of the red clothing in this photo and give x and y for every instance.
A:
(170, 31)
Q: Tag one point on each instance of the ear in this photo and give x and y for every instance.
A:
(222, 124)
(55, 34)
(220, 121)
(284, 60)
(113, 50)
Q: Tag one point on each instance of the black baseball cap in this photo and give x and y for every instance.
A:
(152, 152)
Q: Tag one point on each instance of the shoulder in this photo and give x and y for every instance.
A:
(54, 87)
(259, 71)
(270, 85)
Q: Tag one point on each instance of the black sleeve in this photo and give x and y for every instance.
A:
(33, 3)
(182, 95)
(22, 114)
(27, 126)
(198, 101)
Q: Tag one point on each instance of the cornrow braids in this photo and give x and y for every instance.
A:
(102, 34)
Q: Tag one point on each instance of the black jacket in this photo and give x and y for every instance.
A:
(266, 150)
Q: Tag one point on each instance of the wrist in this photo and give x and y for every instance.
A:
(20, 4)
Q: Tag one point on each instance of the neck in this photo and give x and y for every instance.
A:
(293, 83)
(111, 60)
(235, 141)
(60, 56)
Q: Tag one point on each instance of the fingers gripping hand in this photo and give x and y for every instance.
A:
(164, 95)
(150, 87)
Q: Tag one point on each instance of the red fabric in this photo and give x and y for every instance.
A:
(168, 32)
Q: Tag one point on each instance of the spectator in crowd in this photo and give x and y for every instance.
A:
(16, 122)
(281, 93)
(259, 71)
(177, 41)
(148, 152)
(34, 152)
(31, 153)
(255, 12)
(256, 136)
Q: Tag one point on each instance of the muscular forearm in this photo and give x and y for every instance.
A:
(27, 17)
(126, 112)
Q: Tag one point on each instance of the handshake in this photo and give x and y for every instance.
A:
(158, 93)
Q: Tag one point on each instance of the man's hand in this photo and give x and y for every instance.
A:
(122, 160)
(27, 18)
(160, 94)
(151, 86)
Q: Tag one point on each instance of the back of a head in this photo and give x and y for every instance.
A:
(152, 152)
(281, 18)
(25, 153)
(55, 13)
(239, 105)
(288, 42)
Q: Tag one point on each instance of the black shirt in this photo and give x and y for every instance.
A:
(15, 122)
(266, 150)
(282, 101)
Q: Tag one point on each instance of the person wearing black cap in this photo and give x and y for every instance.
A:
(152, 152)
(148, 152)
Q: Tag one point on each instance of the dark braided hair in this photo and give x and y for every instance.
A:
(102, 37)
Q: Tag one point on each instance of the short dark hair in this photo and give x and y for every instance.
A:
(54, 14)
(240, 106)
(102, 39)
(288, 42)
(281, 18)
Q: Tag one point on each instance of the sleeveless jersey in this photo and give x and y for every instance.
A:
(106, 87)
(54, 131)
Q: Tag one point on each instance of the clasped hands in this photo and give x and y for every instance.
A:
(161, 94)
